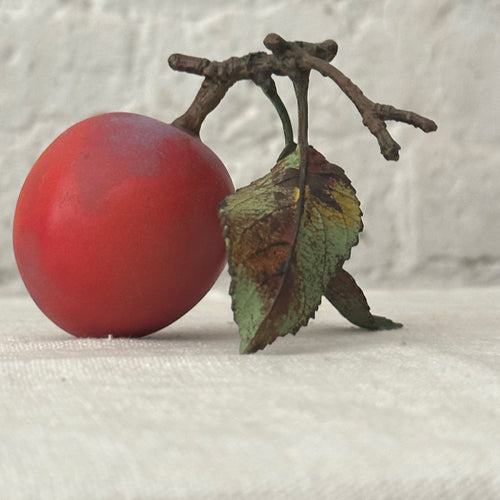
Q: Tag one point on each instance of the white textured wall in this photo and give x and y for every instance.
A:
(432, 218)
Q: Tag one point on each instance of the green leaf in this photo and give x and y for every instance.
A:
(343, 292)
(286, 239)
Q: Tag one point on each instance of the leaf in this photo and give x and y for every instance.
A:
(285, 241)
(346, 296)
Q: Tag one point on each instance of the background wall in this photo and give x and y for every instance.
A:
(430, 219)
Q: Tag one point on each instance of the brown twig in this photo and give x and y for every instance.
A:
(287, 59)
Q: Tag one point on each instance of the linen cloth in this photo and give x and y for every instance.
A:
(333, 413)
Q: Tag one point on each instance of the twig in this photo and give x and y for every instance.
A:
(374, 115)
(287, 59)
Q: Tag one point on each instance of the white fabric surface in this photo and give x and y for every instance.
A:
(333, 413)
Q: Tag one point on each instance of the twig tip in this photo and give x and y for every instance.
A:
(275, 43)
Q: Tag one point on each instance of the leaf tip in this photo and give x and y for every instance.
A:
(247, 347)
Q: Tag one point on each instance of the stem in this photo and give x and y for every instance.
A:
(301, 84)
(269, 89)
(207, 99)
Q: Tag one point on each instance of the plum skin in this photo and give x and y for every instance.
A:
(116, 229)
